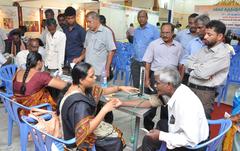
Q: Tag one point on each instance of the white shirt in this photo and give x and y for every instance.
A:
(3, 36)
(2, 59)
(55, 50)
(44, 34)
(190, 126)
(21, 57)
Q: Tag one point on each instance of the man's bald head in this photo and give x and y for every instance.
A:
(33, 44)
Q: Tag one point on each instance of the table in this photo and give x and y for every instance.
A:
(137, 112)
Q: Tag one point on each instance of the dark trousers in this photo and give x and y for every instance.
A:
(185, 79)
(152, 145)
(207, 98)
(135, 71)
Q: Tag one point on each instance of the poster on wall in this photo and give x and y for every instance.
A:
(227, 12)
(8, 18)
(31, 19)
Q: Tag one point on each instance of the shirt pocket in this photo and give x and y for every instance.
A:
(99, 45)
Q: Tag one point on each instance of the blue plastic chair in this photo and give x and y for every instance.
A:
(233, 76)
(12, 108)
(123, 62)
(214, 143)
(44, 141)
(6, 75)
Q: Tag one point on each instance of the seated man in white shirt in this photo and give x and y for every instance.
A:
(21, 57)
(55, 47)
(187, 124)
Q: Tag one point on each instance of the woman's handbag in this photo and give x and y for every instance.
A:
(51, 126)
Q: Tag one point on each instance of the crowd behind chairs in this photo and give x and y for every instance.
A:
(64, 41)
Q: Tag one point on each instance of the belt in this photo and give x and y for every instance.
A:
(202, 87)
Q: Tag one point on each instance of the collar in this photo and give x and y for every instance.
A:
(188, 31)
(162, 42)
(100, 28)
(73, 27)
(173, 98)
(215, 48)
(146, 26)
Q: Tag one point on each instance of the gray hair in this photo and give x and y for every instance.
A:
(170, 75)
(203, 19)
(93, 15)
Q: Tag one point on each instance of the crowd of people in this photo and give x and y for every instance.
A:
(182, 73)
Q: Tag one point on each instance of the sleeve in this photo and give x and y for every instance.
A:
(3, 35)
(190, 61)
(2, 59)
(186, 54)
(182, 55)
(149, 54)
(178, 36)
(82, 35)
(156, 33)
(154, 101)
(110, 45)
(190, 126)
(212, 66)
(61, 54)
(79, 117)
(45, 78)
(86, 41)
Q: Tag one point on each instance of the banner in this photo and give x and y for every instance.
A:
(227, 12)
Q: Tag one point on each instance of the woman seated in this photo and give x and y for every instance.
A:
(29, 86)
(78, 111)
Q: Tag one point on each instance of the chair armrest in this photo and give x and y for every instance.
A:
(49, 106)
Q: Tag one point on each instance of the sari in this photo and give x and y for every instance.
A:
(231, 141)
(40, 97)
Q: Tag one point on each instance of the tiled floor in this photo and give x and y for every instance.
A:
(124, 121)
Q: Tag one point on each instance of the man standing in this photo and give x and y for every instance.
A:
(99, 46)
(161, 53)
(143, 35)
(197, 43)
(75, 36)
(55, 47)
(48, 14)
(62, 21)
(209, 67)
(188, 34)
(186, 126)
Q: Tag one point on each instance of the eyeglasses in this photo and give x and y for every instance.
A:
(166, 33)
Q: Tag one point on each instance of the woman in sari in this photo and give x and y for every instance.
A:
(29, 86)
(77, 111)
(232, 139)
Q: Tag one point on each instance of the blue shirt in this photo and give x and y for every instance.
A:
(142, 37)
(75, 42)
(192, 47)
(184, 36)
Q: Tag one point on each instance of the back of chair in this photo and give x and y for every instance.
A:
(44, 141)
(12, 107)
(213, 144)
(234, 70)
(8, 105)
(6, 74)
